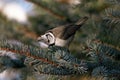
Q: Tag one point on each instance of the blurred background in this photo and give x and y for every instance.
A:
(25, 20)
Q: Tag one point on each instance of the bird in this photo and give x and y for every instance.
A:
(60, 36)
(13, 64)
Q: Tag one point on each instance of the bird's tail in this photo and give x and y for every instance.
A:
(81, 21)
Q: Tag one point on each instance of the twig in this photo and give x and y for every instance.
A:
(47, 9)
(30, 55)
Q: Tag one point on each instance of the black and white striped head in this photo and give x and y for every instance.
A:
(46, 40)
(60, 36)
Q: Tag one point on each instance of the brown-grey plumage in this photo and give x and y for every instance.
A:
(62, 35)
(64, 32)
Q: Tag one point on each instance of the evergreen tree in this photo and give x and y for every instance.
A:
(96, 46)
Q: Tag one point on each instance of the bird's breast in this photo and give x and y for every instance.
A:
(63, 43)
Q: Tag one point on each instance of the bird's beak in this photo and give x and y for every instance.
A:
(42, 42)
(39, 38)
(42, 39)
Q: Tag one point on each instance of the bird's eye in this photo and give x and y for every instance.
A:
(50, 38)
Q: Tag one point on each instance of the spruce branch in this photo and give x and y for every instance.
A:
(114, 2)
(55, 60)
(106, 57)
(100, 71)
(109, 51)
(47, 9)
(104, 72)
(109, 26)
(112, 17)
